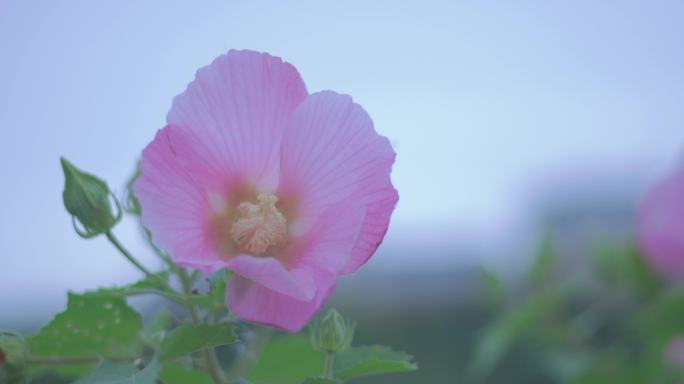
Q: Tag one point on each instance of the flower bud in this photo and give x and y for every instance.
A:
(332, 333)
(87, 199)
(13, 367)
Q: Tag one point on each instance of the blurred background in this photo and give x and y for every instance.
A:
(514, 122)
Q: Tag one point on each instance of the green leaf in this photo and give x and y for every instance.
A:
(116, 373)
(179, 374)
(318, 380)
(623, 265)
(660, 321)
(542, 267)
(372, 360)
(568, 364)
(157, 280)
(499, 337)
(93, 325)
(625, 367)
(156, 283)
(493, 286)
(287, 360)
(189, 338)
(156, 329)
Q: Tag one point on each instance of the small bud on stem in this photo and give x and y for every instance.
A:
(87, 199)
(331, 333)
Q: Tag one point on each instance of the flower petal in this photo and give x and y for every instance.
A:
(263, 299)
(174, 206)
(224, 131)
(328, 246)
(254, 302)
(331, 153)
(268, 272)
(237, 108)
(381, 199)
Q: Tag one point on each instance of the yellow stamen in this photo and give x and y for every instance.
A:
(259, 225)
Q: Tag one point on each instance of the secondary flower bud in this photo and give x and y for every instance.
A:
(87, 199)
(332, 333)
(13, 368)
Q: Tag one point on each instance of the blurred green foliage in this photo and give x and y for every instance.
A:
(613, 325)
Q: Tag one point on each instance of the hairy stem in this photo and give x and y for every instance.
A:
(162, 255)
(127, 254)
(329, 367)
(209, 354)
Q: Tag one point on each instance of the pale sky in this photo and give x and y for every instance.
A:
(483, 100)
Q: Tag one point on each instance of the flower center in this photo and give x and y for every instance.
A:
(259, 226)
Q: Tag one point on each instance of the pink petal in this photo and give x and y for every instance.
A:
(330, 154)
(256, 303)
(270, 273)
(173, 205)
(224, 130)
(266, 293)
(236, 109)
(381, 198)
(328, 246)
(661, 219)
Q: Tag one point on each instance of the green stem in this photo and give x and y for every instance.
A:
(329, 367)
(162, 255)
(127, 254)
(209, 354)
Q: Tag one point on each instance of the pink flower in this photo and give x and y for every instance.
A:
(661, 226)
(286, 189)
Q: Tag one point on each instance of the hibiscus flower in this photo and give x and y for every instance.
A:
(288, 190)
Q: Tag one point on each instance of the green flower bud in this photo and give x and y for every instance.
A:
(87, 199)
(13, 367)
(331, 333)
